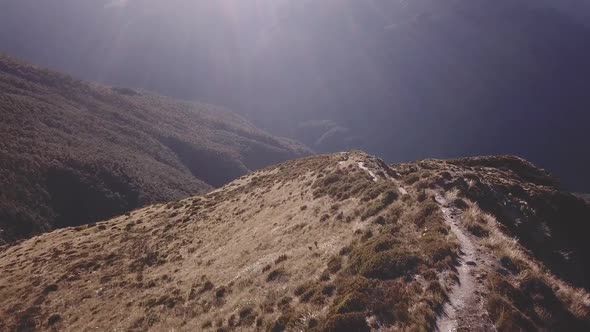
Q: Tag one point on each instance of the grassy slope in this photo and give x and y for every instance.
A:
(534, 232)
(73, 152)
(322, 243)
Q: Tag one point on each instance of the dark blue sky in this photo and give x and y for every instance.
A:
(403, 79)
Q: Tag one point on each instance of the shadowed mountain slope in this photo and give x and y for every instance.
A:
(585, 197)
(326, 243)
(73, 152)
(406, 80)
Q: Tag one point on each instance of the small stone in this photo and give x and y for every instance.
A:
(50, 288)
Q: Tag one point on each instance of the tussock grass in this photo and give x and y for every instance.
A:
(389, 272)
(452, 195)
(476, 221)
(379, 205)
(516, 199)
(529, 297)
(277, 275)
(373, 283)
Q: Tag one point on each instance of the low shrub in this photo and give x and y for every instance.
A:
(276, 275)
(383, 265)
(346, 322)
(377, 206)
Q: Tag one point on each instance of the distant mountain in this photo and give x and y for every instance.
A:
(73, 152)
(327, 136)
(331, 243)
(415, 79)
(585, 197)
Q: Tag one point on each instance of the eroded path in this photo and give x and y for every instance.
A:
(465, 310)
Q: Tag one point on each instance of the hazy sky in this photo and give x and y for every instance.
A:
(403, 79)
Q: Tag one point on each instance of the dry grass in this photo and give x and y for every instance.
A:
(452, 195)
(249, 257)
(476, 221)
(513, 197)
(558, 304)
(222, 261)
(375, 277)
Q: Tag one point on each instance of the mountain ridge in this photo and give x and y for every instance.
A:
(321, 243)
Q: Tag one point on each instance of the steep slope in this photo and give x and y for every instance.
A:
(73, 152)
(327, 243)
(523, 244)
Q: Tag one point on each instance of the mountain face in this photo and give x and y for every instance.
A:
(411, 79)
(325, 136)
(327, 243)
(585, 197)
(73, 152)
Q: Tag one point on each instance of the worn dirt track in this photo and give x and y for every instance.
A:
(465, 310)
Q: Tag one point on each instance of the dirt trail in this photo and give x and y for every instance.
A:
(465, 310)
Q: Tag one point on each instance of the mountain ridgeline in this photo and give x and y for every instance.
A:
(340, 242)
(73, 152)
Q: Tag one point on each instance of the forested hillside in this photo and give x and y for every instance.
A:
(73, 152)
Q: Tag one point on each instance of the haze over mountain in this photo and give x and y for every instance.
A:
(124, 210)
(403, 79)
(73, 152)
(331, 243)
